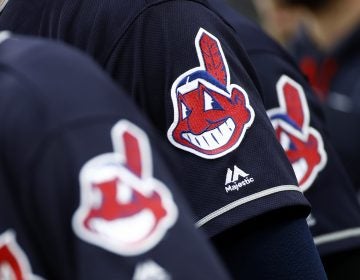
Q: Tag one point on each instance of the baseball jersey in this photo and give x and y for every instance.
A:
(85, 171)
(299, 124)
(188, 72)
(333, 76)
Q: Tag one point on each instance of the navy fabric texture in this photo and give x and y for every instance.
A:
(58, 109)
(332, 185)
(271, 248)
(336, 72)
(145, 46)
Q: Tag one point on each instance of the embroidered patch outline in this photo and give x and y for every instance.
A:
(211, 116)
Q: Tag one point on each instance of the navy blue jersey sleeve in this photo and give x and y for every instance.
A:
(273, 246)
(161, 50)
(300, 127)
(186, 69)
(332, 230)
(95, 195)
(333, 77)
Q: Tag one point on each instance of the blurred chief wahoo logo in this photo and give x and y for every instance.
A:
(302, 143)
(123, 208)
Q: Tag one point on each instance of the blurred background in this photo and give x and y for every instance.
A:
(246, 7)
(323, 36)
(279, 21)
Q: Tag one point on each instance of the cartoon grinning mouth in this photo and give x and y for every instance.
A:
(300, 168)
(212, 139)
(133, 229)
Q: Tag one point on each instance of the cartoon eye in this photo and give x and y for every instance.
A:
(185, 111)
(286, 142)
(210, 103)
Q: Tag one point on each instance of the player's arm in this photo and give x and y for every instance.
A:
(187, 77)
(96, 196)
(289, 99)
(274, 245)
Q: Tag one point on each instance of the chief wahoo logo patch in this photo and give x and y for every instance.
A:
(123, 208)
(211, 116)
(302, 143)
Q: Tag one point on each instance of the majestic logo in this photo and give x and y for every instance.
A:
(310, 220)
(14, 265)
(123, 208)
(232, 179)
(150, 270)
(303, 144)
(211, 115)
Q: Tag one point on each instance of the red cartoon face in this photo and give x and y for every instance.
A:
(303, 144)
(210, 115)
(124, 209)
(209, 121)
(303, 155)
(124, 213)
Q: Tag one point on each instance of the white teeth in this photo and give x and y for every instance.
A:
(214, 138)
(95, 199)
(284, 141)
(185, 135)
(124, 193)
(300, 167)
(125, 230)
